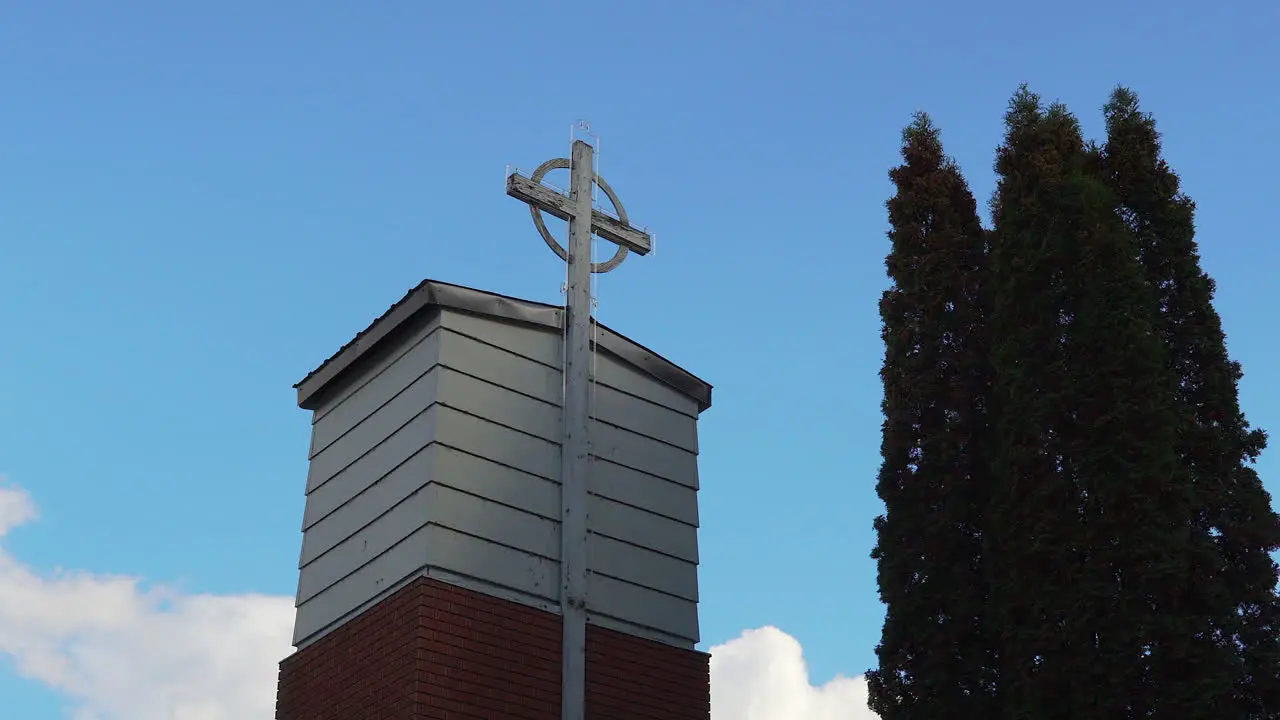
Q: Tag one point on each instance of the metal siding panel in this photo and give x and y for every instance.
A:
(499, 483)
(371, 502)
(498, 404)
(387, 456)
(644, 454)
(500, 366)
(637, 489)
(497, 443)
(645, 529)
(539, 344)
(492, 590)
(377, 427)
(629, 379)
(361, 586)
(490, 521)
(522, 375)
(474, 557)
(380, 389)
(367, 544)
(546, 346)
(645, 418)
(642, 606)
(469, 472)
(639, 566)
(648, 633)
(406, 345)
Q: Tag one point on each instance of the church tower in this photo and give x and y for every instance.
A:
(430, 578)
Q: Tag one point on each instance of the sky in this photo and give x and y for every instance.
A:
(200, 202)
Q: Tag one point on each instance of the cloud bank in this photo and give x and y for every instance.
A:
(119, 650)
(761, 675)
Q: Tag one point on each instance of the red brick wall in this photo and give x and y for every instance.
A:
(436, 651)
(630, 677)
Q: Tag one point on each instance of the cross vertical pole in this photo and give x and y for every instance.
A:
(575, 450)
(575, 442)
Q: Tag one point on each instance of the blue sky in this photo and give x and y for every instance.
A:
(200, 202)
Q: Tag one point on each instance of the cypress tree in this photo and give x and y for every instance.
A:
(1031, 554)
(934, 657)
(1215, 443)
(1090, 552)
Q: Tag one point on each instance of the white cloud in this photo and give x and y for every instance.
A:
(761, 675)
(119, 650)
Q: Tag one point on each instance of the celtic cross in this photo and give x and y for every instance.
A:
(575, 453)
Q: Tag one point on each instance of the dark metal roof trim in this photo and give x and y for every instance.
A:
(433, 293)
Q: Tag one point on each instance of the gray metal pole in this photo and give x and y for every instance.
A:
(575, 452)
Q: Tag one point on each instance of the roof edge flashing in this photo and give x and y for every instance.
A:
(435, 294)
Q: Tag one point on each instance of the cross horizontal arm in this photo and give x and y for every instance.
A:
(544, 198)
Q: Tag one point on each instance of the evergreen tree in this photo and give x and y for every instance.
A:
(1031, 554)
(1089, 549)
(1215, 444)
(934, 657)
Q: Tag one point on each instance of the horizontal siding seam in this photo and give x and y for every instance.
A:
(358, 568)
(317, 417)
(468, 453)
(642, 472)
(370, 486)
(637, 433)
(375, 446)
(632, 583)
(558, 368)
(437, 523)
(499, 385)
(499, 503)
(507, 350)
(375, 411)
(360, 529)
(499, 423)
(359, 612)
(463, 575)
(673, 636)
(655, 513)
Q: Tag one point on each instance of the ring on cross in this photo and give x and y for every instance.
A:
(563, 164)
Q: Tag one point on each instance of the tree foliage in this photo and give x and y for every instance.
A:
(1073, 528)
(934, 659)
(1215, 444)
(1094, 566)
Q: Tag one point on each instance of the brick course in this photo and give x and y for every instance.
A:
(433, 651)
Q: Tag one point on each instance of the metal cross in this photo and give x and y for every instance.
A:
(575, 449)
